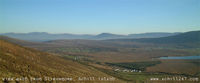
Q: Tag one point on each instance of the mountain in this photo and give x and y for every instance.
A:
(187, 37)
(43, 36)
(19, 42)
(152, 35)
(108, 36)
(18, 61)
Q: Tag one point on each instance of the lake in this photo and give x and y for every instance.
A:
(181, 57)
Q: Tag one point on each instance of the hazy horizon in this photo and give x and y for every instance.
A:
(99, 16)
(91, 34)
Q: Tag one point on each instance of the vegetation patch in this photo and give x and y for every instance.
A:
(135, 65)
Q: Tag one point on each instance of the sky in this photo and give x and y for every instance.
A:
(99, 16)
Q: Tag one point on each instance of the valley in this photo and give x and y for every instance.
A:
(129, 60)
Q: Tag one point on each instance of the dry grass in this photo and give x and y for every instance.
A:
(17, 61)
(176, 66)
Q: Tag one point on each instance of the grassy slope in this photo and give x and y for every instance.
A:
(18, 61)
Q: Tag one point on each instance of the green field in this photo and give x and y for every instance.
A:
(136, 65)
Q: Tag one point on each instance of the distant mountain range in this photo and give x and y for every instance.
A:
(187, 37)
(43, 36)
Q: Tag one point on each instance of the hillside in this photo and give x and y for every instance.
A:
(18, 61)
(153, 35)
(188, 37)
(19, 42)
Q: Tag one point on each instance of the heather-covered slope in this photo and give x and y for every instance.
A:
(17, 61)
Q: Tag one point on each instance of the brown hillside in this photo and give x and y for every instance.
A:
(17, 61)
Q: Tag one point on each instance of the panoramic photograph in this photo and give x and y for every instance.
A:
(99, 41)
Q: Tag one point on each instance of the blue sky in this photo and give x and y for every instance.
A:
(97, 16)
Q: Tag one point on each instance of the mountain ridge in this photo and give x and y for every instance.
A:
(44, 36)
(187, 37)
